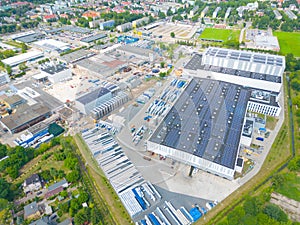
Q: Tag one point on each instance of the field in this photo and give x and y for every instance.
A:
(290, 187)
(289, 42)
(220, 34)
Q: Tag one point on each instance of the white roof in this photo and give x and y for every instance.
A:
(39, 76)
(52, 43)
(15, 60)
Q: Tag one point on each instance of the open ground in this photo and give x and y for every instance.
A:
(220, 34)
(289, 42)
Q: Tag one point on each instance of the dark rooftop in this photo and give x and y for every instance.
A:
(89, 97)
(54, 69)
(93, 38)
(206, 121)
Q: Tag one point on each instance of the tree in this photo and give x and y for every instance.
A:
(8, 69)
(71, 163)
(4, 189)
(275, 212)
(24, 47)
(252, 206)
(64, 207)
(73, 176)
(162, 64)
(74, 204)
(83, 197)
(161, 15)
(82, 216)
(172, 34)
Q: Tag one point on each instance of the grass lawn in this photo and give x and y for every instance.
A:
(289, 42)
(220, 34)
(290, 187)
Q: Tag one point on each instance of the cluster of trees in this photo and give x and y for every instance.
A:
(121, 18)
(255, 210)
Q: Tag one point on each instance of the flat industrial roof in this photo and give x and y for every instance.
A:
(136, 50)
(52, 44)
(245, 56)
(77, 55)
(93, 38)
(195, 64)
(89, 97)
(15, 60)
(206, 121)
(24, 114)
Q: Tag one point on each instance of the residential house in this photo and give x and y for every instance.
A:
(56, 188)
(33, 183)
(31, 211)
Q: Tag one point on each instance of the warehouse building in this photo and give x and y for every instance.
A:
(25, 57)
(53, 45)
(25, 117)
(203, 128)
(86, 103)
(4, 78)
(56, 73)
(133, 51)
(256, 70)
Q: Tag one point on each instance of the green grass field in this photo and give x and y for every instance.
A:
(290, 187)
(289, 42)
(220, 34)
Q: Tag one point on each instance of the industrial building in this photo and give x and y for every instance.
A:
(4, 78)
(25, 57)
(52, 45)
(204, 127)
(25, 117)
(87, 102)
(261, 39)
(93, 38)
(56, 73)
(76, 56)
(141, 53)
(256, 70)
(110, 105)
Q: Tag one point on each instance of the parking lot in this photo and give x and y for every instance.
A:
(181, 31)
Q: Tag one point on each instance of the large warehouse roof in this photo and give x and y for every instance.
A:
(206, 121)
(85, 99)
(16, 60)
(245, 56)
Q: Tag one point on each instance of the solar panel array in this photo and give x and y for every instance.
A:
(206, 121)
(195, 64)
(245, 56)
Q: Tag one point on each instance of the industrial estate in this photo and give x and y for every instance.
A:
(149, 112)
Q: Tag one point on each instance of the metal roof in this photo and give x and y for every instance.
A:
(206, 121)
(85, 99)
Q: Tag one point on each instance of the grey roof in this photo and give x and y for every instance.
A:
(77, 55)
(30, 38)
(93, 38)
(53, 69)
(34, 178)
(30, 209)
(24, 115)
(89, 97)
(57, 185)
(196, 64)
(43, 221)
(206, 121)
(136, 50)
